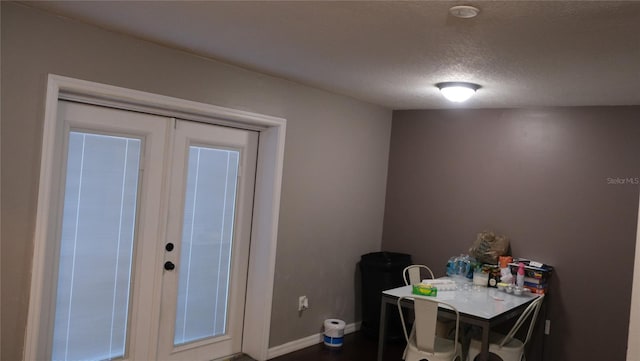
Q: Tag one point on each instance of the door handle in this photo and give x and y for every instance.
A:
(169, 266)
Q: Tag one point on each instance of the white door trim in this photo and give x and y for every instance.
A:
(633, 348)
(266, 205)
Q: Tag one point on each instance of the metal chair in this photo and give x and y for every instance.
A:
(506, 346)
(423, 343)
(411, 274)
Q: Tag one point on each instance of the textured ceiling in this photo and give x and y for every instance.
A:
(522, 53)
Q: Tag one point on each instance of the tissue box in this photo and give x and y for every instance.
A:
(425, 290)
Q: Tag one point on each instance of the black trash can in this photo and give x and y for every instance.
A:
(381, 271)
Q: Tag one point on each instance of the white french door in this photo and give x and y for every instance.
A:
(207, 248)
(147, 200)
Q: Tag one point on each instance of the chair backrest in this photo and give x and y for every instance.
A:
(531, 310)
(426, 315)
(411, 274)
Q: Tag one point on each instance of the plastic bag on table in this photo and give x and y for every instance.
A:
(488, 247)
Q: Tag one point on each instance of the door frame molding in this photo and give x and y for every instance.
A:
(266, 204)
(633, 349)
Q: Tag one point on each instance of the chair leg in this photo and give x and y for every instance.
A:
(413, 330)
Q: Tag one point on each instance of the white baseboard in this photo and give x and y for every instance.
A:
(299, 344)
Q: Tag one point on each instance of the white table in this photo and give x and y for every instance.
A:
(480, 306)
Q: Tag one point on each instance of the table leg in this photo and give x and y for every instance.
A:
(383, 328)
(484, 350)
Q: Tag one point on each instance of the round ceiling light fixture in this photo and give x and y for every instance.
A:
(457, 91)
(464, 11)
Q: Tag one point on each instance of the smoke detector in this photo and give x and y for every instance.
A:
(464, 11)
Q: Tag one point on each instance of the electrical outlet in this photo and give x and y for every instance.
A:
(303, 303)
(547, 327)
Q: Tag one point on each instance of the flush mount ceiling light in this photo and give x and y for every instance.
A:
(457, 92)
(464, 11)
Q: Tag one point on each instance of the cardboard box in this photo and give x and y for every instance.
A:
(536, 276)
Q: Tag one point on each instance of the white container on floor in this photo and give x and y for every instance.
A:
(333, 332)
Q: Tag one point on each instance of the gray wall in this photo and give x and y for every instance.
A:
(541, 178)
(334, 168)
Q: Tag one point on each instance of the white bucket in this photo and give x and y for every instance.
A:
(333, 332)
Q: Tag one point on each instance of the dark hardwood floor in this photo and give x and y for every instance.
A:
(356, 347)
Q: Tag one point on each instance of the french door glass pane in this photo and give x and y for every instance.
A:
(207, 234)
(98, 228)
